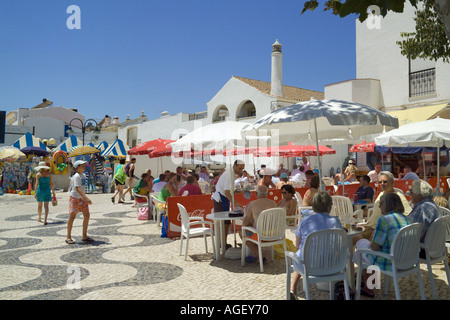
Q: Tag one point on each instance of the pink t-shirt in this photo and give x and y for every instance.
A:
(191, 188)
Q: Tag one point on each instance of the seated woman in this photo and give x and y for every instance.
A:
(143, 187)
(170, 189)
(388, 225)
(349, 173)
(313, 189)
(289, 202)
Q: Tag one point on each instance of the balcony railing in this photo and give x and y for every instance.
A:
(422, 82)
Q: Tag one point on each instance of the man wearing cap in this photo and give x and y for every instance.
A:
(79, 202)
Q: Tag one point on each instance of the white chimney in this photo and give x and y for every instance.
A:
(276, 87)
(116, 120)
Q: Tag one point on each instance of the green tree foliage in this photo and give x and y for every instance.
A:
(429, 41)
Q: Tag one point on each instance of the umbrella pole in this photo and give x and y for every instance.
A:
(438, 181)
(423, 163)
(318, 156)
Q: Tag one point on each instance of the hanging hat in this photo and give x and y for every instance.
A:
(42, 165)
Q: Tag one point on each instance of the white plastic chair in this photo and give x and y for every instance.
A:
(299, 210)
(342, 208)
(141, 204)
(325, 257)
(435, 251)
(270, 230)
(446, 212)
(187, 232)
(404, 256)
(157, 208)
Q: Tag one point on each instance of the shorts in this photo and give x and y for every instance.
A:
(118, 183)
(77, 205)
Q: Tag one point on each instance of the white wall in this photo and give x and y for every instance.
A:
(233, 94)
(378, 57)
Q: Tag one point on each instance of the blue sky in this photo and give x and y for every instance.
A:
(158, 56)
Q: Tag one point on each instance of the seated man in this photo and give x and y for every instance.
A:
(408, 174)
(365, 192)
(190, 188)
(252, 211)
(425, 211)
(386, 181)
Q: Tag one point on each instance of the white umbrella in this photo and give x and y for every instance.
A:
(428, 133)
(215, 136)
(320, 120)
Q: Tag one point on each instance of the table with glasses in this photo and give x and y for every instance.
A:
(219, 229)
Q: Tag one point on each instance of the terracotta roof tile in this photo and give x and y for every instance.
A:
(291, 93)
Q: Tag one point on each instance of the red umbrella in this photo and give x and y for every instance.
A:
(363, 147)
(154, 148)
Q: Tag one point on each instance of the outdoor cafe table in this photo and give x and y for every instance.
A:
(219, 229)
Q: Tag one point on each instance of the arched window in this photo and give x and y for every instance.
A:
(220, 114)
(246, 110)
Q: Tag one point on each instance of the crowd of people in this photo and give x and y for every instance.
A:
(391, 209)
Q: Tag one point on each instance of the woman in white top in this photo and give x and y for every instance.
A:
(78, 202)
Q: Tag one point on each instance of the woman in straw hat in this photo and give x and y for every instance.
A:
(43, 189)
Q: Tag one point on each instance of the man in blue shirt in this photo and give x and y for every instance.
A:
(365, 191)
(408, 174)
(425, 211)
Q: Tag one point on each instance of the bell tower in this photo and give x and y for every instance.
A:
(276, 86)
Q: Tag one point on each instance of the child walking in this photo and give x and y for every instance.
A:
(43, 189)
(79, 202)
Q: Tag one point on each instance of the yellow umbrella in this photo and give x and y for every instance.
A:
(10, 153)
(80, 150)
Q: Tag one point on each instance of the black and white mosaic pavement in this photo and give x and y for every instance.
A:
(130, 260)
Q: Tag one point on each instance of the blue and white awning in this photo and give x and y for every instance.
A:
(28, 140)
(102, 146)
(117, 149)
(70, 142)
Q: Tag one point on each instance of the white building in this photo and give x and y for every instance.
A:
(46, 121)
(412, 90)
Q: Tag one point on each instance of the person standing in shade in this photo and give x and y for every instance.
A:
(43, 189)
(78, 202)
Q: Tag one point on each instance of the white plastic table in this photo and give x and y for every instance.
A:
(219, 229)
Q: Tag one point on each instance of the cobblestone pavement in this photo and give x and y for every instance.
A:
(129, 260)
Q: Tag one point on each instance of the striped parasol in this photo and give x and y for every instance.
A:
(70, 142)
(117, 149)
(28, 140)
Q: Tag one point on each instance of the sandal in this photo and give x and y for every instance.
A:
(87, 239)
(70, 241)
(120, 201)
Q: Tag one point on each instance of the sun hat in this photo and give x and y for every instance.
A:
(42, 165)
(351, 161)
(78, 163)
